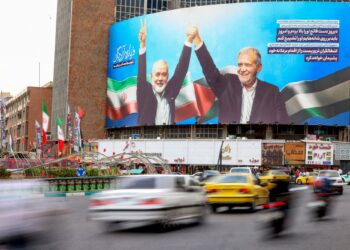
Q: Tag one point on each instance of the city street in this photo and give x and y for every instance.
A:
(236, 229)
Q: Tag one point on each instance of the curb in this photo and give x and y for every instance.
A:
(63, 194)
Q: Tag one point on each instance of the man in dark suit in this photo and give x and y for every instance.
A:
(242, 98)
(156, 101)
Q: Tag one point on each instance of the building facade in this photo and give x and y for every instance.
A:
(21, 113)
(80, 75)
(80, 68)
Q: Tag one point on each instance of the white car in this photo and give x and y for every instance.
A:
(26, 217)
(150, 199)
(346, 178)
(335, 179)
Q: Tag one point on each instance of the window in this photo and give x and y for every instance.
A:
(233, 179)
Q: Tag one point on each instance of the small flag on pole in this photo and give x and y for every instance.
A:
(60, 134)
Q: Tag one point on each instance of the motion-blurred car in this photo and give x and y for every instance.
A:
(150, 199)
(246, 170)
(335, 180)
(271, 176)
(346, 178)
(306, 179)
(236, 190)
(203, 176)
(26, 215)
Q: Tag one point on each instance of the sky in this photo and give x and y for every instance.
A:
(27, 40)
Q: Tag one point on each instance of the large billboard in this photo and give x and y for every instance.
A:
(303, 77)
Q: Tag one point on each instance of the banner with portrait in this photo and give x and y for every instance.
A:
(304, 56)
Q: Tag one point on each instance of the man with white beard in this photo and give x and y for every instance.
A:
(156, 101)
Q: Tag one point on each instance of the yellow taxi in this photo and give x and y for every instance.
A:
(308, 178)
(268, 177)
(236, 190)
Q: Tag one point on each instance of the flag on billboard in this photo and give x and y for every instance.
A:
(121, 98)
(60, 134)
(194, 100)
(324, 97)
(38, 136)
(69, 125)
(45, 118)
(76, 140)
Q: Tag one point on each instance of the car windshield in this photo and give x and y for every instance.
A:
(145, 182)
(278, 173)
(329, 173)
(211, 172)
(240, 170)
(213, 178)
(233, 179)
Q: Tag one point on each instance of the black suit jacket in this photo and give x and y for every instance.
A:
(147, 102)
(268, 105)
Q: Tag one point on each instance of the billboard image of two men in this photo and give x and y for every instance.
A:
(277, 69)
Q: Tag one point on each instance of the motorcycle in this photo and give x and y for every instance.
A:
(320, 206)
(274, 217)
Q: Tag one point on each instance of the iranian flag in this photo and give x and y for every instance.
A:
(60, 134)
(45, 121)
(195, 99)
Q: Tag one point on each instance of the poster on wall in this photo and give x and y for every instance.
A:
(303, 75)
(342, 151)
(249, 152)
(273, 154)
(294, 153)
(319, 153)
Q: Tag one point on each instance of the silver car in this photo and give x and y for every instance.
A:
(149, 199)
(25, 215)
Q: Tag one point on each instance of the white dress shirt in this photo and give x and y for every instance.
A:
(163, 107)
(163, 110)
(247, 102)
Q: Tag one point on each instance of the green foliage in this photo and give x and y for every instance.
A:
(92, 171)
(4, 174)
(57, 172)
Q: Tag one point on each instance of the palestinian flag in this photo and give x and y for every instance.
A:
(60, 134)
(45, 121)
(325, 97)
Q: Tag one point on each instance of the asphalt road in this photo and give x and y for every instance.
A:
(233, 230)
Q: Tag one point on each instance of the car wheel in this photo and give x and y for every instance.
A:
(214, 208)
(252, 208)
(299, 182)
(111, 227)
(202, 215)
(341, 192)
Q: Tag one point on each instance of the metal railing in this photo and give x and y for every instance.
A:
(76, 184)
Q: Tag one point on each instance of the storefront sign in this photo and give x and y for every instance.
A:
(273, 154)
(319, 153)
(294, 153)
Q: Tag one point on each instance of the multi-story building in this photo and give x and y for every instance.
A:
(21, 113)
(80, 67)
(80, 75)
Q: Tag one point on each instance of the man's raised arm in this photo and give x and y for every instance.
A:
(213, 76)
